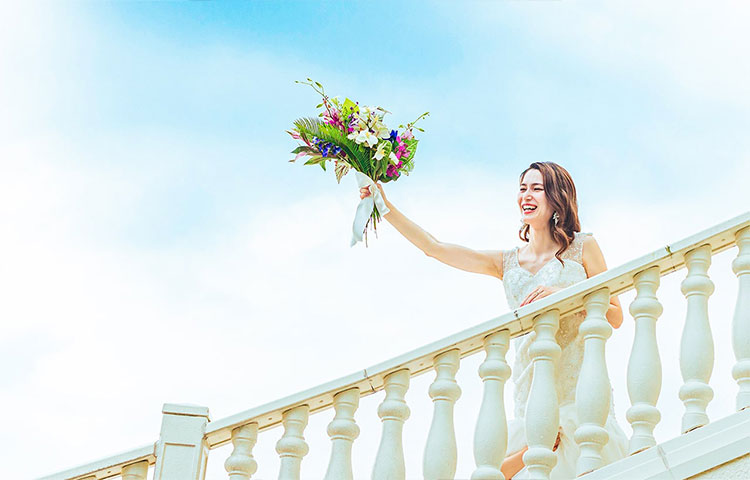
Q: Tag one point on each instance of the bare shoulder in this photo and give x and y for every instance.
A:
(592, 256)
(495, 261)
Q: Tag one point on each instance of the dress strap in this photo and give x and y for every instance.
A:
(575, 250)
(510, 259)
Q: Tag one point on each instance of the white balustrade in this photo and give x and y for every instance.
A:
(542, 409)
(697, 346)
(644, 366)
(491, 433)
(241, 465)
(741, 320)
(291, 447)
(440, 453)
(593, 391)
(342, 430)
(186, 434)
(389, 461)
(135, 471)
(181, 452)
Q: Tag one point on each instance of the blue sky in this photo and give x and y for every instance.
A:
(148, 201)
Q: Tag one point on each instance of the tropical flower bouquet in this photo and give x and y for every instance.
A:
(355, 138)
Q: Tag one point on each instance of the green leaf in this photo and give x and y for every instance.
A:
(314, 160)
(304, 148)
(349, 107)
(411, 146)
(323, 165)
(342, 168)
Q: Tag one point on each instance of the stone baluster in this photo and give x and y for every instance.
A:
(440, 454)
(241, 465)
(542, 409)
(291, 447)
(697, 346)
(741, 320)
(135, 471)
(593, 391)
(343, 430)
(491, 433)
(644, 367)
(389, 461)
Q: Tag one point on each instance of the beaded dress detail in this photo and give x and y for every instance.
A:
(518, 283)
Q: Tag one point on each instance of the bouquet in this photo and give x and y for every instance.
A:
(354, 137)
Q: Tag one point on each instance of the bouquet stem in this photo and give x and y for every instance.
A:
(374, 219)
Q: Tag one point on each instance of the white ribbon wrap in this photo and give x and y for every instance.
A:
(366, 206)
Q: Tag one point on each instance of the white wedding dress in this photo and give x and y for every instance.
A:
(518, 283)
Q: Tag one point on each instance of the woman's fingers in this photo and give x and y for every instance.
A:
(535, 294)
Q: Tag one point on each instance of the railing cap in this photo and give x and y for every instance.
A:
(187, 409)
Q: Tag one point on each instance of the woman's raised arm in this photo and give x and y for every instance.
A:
(487, 262)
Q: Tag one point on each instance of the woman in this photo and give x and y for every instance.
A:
(555, 255)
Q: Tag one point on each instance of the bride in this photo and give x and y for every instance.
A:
(555, 255)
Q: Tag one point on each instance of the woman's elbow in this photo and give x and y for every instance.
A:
(432, 249)
(614, 317)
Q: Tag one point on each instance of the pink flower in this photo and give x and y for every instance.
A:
(332, 117)
(408, 135)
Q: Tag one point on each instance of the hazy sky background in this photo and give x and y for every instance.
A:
(158, 247)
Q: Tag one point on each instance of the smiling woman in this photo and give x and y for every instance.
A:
(556, 255)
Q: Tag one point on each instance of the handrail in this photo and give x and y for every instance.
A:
(107, 467)
(669, 258)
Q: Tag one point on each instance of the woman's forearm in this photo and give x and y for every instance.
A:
(413, 232)
(614, 313)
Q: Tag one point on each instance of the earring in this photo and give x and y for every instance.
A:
(555, 218)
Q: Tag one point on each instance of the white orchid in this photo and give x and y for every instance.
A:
(381, 130)
(392, 158)
(380, 152)
(365, 136)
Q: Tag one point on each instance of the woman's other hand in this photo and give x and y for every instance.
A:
(539, 292)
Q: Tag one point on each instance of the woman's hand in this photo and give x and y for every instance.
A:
(364, 192)
(539, 292)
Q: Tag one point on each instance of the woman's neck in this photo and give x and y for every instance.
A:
(541, 242)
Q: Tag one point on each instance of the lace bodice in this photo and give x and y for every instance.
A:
(518, 283)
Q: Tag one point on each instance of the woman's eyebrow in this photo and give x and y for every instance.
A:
(540, 184)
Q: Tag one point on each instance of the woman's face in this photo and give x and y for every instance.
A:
(532, 200)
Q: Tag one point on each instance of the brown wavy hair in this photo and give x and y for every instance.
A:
(561, 195)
